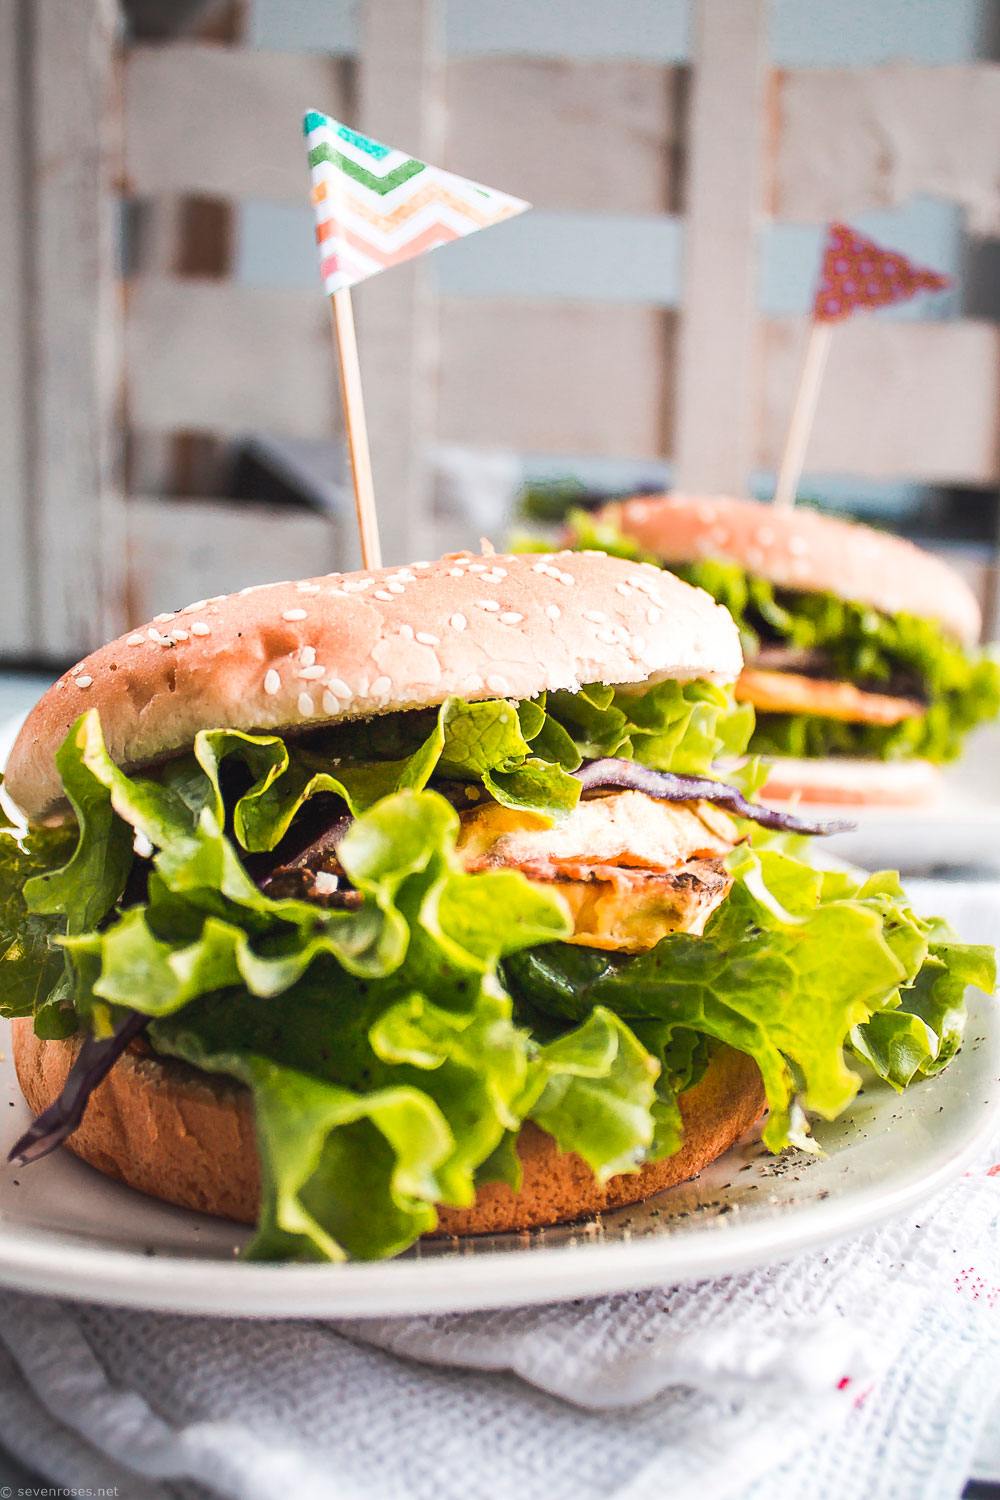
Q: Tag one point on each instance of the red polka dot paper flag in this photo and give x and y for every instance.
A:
(858, 273)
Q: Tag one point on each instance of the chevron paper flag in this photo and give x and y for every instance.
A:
(376, 207)
(858, 273)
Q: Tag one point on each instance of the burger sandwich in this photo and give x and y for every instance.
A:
(389, 904)
(861, 648)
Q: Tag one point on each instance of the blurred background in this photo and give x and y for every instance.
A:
(168, 409)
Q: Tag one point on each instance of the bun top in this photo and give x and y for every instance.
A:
(802, 549)
(287, 656)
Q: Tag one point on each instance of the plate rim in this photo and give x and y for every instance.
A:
(37, 1260)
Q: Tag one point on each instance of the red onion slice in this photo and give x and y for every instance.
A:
(666, 786)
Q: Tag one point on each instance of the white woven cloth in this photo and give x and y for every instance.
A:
(871, 1368)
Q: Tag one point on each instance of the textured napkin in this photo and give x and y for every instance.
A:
(871, 1367)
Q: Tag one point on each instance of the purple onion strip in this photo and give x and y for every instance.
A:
(94, 1061)
(668, 787)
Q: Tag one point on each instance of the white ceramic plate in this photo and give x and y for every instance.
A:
(65, 1229)
(960, 829)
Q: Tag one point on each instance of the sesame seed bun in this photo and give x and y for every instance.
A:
(288, 656)
(801, 549)
(188, 1137)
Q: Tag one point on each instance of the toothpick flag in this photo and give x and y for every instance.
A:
(376, 207)
(856, 274)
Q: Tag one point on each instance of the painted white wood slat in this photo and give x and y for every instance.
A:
(181, 550)
(572, 378)
(224, 122)
(212, 356)
(864, 138)
(16, 561)
(716, 375)
(900, 399)
(75, 325)
(584, 136)
(566, 377)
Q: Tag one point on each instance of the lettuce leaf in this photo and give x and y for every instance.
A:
(797, 968)
(863, 645)
(33, 979)
(394, 1050)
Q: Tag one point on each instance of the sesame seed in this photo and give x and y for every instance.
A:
(595, 615)
(406, 631)
(135, 640)
(511, 617)
(307, 655)
(383, 594)
(381, 687)
(153, 633)
(305, 704)
(458, 622)
(798, 545)
(496, 572)
(339, 686)
(553, 611)
(330, 703)
(623, 589)
(311, 674)
(420, 565)
(497, 684)
(478, 568)
(293, 614)
(84, 681)
(307, 588)
(180, 635)
(566, 578)
(356, 585)
(456, 572)
(426, 639)
(473, 683)
(540, 567)
(607, 636)
(192, 609)
(488, 604)
(200, 628)
(395, 588)
(653, 614)
(272, 682)
(160, 619)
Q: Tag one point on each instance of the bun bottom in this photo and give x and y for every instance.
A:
(185, 1136)
(879, 783)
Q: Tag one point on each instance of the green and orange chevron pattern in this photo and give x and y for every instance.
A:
(376, 207)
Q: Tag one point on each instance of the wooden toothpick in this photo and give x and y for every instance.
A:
(803, 412)
(355, 427)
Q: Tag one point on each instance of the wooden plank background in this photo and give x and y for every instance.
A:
(16, 614)
(718, 328)
(717, 146)
(75, 327)
(851, 139)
